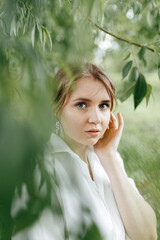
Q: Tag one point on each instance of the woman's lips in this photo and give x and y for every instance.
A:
(93, 132)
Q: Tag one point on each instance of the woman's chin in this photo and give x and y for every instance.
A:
(92, 141)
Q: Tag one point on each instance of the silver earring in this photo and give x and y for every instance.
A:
(57, 127)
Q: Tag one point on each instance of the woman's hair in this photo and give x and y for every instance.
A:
(67, 76)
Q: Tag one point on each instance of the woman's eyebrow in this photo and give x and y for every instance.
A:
(108, 100)
(88, 100)
(82, 99)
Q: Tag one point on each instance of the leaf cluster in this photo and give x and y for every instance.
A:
(137, 24)
(135, 84)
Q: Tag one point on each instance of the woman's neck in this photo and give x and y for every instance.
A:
(78, 148)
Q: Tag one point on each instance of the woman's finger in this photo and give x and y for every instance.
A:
(121, 122)
(113, 122)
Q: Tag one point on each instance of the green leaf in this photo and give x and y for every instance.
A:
(23, 219)
(92, 233)
(44, 39)
(33, 36)
(90, 6)
(140, 90)
(144, 62)
(126, 69)
(127, 56)
(49, 36)
(149, 18)
(157, 55)
(125, 90)
(133, 76)
(40, 33)
(148, 94)
(142, 52)
(13, 27)
(159, 71)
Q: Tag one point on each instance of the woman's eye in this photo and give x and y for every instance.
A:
(81, 105)
(104, 106)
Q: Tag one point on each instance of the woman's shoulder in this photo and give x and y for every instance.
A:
(62, 159)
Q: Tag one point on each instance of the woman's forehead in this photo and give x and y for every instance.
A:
(89, 87)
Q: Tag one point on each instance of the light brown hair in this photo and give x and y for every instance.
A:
(65, 80)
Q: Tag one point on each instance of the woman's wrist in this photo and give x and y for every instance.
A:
(111, 164)
(108, 157)
(107, 154)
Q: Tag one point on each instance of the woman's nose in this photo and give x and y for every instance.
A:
(94, 116)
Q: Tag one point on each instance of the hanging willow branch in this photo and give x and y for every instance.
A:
(120, 38)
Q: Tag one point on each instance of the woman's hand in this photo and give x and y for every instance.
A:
(108, 145)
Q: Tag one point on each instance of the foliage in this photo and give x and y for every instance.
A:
(136, 23)
(36, 37)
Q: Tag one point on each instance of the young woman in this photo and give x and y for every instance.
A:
(91, 134)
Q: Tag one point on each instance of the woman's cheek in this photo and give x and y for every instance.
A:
(106, 120)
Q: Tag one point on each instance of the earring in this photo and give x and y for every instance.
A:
(57, 127)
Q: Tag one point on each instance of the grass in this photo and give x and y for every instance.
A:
(140, 143)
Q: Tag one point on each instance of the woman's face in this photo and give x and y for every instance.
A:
(86, 113)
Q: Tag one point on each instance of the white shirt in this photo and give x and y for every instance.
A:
(83, 201)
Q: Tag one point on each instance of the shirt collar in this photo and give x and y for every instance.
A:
(58, 144)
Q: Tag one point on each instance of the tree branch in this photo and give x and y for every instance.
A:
(120, 38)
